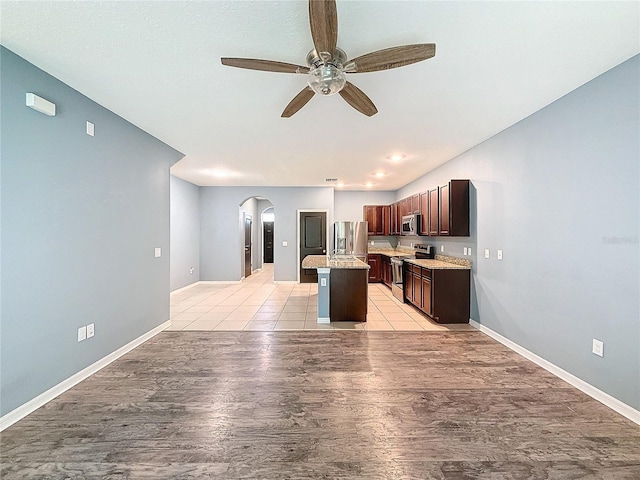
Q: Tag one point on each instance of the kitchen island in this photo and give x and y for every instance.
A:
(342, 288)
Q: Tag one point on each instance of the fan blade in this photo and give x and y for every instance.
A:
(393, 57)
(358, 100)
(298, 102)
(265, 65)
(323, 17)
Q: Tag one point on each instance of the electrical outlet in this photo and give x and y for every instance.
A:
(486, 253)
(465, 250)
(91, 330)
(499, 254)
(598, 348)
(323, 282)
(469, 251)
(82, 333)
(191, 270)
(158, 252)
(284, 243)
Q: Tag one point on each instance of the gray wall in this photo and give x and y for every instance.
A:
(220, 254)
(81, 217)
(349, 203)
(185, 233)
(558, 192)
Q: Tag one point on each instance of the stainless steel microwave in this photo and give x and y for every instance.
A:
(410, 224)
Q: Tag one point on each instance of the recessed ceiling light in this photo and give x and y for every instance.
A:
(220, 173)
(368, 184)
(379, 174)
(396, 157)
(340, 184)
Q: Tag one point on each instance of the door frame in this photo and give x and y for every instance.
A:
(243, 265)
(308, 210)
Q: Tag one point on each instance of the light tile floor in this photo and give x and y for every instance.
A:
(257, 303)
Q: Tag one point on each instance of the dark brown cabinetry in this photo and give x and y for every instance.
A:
(434, 212)
(443, 211)
(405, 207)
(454, 209)
(375, 270)
(377, 217)
(395, 219)
(348, 292)
(424, 213)
(443, 294)
(386, 270)
(443, 214)
(415, 204)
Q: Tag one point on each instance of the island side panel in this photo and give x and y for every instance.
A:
(324, 285)
(349, 294)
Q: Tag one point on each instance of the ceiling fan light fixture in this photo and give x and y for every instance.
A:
(326, 79)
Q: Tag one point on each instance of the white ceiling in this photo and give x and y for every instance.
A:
(157, 64)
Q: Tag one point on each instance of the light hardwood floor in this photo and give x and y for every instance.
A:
(322, 405)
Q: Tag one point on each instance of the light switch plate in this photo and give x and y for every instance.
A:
(90, 129)
(82, 333)
(323, 282)
(469, 251)
(465, 250)
(486, 253)
(158, 252)
(499, 254)
(442, 248)
(91, 330)
(284, 243)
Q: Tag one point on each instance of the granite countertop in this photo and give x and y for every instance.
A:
(391, 252)
(322, 261)
(439, 264)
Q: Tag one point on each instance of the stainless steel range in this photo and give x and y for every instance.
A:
(397, 264)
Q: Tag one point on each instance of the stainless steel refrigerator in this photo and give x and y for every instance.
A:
(350, 238)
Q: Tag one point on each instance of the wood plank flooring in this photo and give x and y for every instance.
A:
(322, 405)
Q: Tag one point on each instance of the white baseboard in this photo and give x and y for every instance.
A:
(187, 287)
(219, 282)
(32, 405)
(604, 398)
(324, 320)
(286, 282)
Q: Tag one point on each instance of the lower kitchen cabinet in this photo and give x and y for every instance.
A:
(442, 294)
(375, 270)
(387, 275)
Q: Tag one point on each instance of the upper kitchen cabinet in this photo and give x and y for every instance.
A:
(377, 218)
(415, 204)
(452, 209)
(405, 206)
(424, 213)
(394, 216)
(434, 212)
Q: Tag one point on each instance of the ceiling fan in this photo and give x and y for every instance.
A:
(327, 64)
